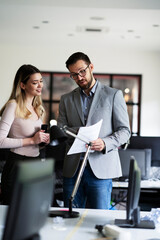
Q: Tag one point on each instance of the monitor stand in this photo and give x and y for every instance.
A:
(135, 221)
(146, 224)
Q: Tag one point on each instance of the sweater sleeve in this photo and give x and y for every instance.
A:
(6, 122)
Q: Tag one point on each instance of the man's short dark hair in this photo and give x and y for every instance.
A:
(77, 56)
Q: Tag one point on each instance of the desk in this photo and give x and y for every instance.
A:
(145, 184)
(149, 195)
(84, 226)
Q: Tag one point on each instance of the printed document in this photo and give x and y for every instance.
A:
(84, 136)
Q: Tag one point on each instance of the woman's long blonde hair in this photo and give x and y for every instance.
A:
(18, 94)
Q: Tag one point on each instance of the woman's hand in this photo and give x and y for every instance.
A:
(41, 136)
(38, 137)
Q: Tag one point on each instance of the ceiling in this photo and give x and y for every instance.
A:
(114, 23)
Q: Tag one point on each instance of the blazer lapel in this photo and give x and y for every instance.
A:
(78, 104)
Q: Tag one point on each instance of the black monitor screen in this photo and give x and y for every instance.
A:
(133, 188)
(152, 143)
(132, 208)
(31, 199)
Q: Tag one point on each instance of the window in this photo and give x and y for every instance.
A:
(58, 83)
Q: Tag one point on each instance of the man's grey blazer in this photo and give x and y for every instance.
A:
(108, 104)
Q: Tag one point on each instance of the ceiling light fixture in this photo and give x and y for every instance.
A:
(126, 90)
(130, 30)
(45, 21)
(36, 27)
(97, 18)
(92, 29)
(155, 25)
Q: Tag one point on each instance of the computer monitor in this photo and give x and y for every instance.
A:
(31, 199)
(143, 158)
(152, 143)
(132, 209)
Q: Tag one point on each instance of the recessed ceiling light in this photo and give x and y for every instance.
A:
(36, 27)
(137, 36)
(130, 30)
(93, 30)
(97, 18)
(155, 25)
(45, 21)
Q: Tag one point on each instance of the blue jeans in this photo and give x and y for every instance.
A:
(96, 192)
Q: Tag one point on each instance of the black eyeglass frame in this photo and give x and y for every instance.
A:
(81, 73)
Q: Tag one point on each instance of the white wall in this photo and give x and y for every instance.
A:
(105, 60)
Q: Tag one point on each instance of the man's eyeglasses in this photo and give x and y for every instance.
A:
(81, 73)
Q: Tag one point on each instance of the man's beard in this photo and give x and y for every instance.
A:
(88, 85)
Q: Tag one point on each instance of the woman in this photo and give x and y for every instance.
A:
(20, 125)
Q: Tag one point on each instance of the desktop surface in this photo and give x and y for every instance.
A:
(84, 226)
(145, 184)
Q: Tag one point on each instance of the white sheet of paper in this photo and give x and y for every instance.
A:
(89, 134)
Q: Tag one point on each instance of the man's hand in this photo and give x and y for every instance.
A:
(97, 145)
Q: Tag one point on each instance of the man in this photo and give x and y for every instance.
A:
(85, 106)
